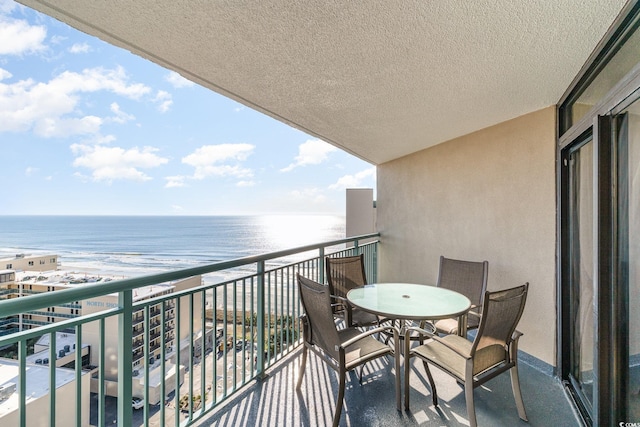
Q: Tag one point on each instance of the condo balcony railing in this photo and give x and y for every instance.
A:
(214, 338)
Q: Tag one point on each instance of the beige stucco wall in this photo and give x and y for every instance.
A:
(30, 263)
(488, 196)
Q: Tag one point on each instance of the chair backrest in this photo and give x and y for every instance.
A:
(345, 273)
(501, 312)
(466, 277)
(316, 301)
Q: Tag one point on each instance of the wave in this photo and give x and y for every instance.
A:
(133, 246)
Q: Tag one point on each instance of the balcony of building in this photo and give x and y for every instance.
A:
(501, 130)
(247, 371)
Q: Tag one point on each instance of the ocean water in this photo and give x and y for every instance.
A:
(136, 245)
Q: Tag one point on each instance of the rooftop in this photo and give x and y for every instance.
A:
(37, 382)
(62, 279)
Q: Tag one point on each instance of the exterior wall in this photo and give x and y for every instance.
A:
(38, 398)
(30, 263)
(46, 315)
(91, 335)
(488, 196)
(361, 214)
(182, 285)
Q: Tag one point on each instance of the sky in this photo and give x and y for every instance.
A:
(87, 128)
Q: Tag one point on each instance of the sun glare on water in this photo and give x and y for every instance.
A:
(291, 231)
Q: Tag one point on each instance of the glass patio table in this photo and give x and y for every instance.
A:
(411, 301)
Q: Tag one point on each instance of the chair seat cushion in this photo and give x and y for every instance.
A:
(363, 318)
(362, 350)
(450, 326)
(446, 358)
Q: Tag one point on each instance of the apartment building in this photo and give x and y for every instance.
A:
(16, 284)
(22, 262)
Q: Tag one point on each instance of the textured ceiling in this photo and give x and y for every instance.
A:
(379, 79)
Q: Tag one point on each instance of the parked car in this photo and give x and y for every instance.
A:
(137, 403)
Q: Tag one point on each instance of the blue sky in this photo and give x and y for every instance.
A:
(90, 129)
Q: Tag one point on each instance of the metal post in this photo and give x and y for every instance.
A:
(78, 367)
(322, 266)
(53, 354)
(125, 358)
(261, 322)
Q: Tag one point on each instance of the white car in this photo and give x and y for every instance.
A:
(137, 403)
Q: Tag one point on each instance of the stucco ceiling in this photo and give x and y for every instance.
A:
(379, 79)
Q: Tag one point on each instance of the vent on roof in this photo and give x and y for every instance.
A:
(6, 390)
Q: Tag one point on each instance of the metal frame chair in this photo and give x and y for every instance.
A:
(493, 351)
(344, 349)
(468, 278)
(344, 274)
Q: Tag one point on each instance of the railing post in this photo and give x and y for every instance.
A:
(322, 267)
(261, 322)
(22, 380)
(375, 261)
(125, 358)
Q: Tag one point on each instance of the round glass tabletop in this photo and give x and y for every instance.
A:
(409, 301)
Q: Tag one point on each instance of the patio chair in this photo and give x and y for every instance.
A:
(344, 274)
(468, 278)
(493, 351)
(344, 349)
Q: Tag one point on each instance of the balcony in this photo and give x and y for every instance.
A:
(254, 314)
(249, 364)
(274, 401)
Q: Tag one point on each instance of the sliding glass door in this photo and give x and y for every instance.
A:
(627, 135)
(580, 287)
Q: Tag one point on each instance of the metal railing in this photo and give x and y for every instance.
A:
(215, 338)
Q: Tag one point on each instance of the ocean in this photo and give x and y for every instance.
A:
(131, 246)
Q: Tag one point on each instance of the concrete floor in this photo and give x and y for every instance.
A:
(275, 402)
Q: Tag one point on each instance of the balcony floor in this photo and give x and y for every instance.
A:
(274, 400)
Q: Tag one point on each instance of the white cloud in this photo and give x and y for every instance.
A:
(177, 81)
(17, 37)
(56, 39)
(98, 139)
(120, 116)
(80, 48)
(51, 109)
(113, 163)
(6, 6)
(310, 195)
(216, 160)
(177, 208)
(312, 152)
(175, 181)
(353, 181)
(4, 74)
(30, 171)
(55, 127)
(164, 100)
(220, 160)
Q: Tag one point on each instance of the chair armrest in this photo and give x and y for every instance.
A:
(340, 302)
(340, 298)
(367, 333)
(473, 313)
(436, 338)
(513, 345)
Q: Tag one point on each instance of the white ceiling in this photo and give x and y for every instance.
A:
(379, 79)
